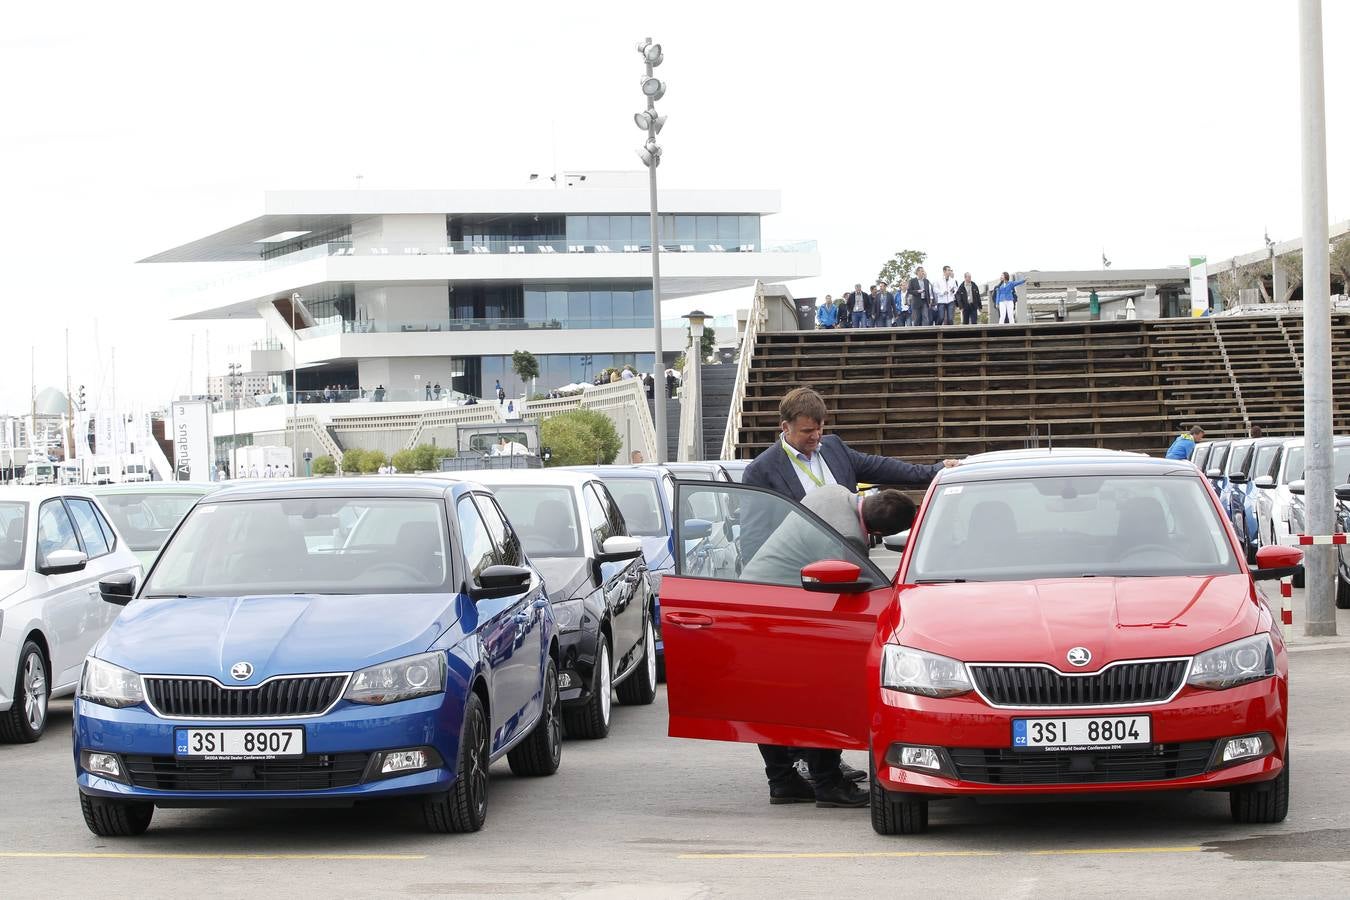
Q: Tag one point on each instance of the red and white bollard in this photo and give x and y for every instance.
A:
(1287, 608)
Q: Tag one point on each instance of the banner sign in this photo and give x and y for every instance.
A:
(192, 440)
(1199, 286)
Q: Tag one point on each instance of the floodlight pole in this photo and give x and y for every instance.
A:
(659, 392)
(1319, 561)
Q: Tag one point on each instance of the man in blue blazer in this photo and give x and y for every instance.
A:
(801, 460)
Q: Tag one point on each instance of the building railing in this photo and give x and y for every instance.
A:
(377, 394)
(406, 326)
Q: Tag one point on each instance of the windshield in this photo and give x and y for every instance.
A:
(545, 517)
(1068, 527)
(12, 531)
(302, 546)
(145, 520)
(1340, 464)
(640, 505)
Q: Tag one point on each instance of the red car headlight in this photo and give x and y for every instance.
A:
(1240, 662)
(919, 672)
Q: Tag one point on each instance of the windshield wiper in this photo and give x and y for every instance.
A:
(944, 580)
(171, 596)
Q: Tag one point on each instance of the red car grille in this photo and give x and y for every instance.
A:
(304, 695)
(1142, 682)
(314, 772)
(1162, 762)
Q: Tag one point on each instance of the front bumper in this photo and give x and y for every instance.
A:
(577, 651)
(338, 766)
(1181, 729)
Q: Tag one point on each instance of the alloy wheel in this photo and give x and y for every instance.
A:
(478, 767)
(553, 710)
(650, 653)
(35, 691)
(606, 682)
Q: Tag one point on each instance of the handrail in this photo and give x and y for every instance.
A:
(758, 314)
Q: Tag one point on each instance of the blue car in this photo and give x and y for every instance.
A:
(322, 643)
(1246, 460)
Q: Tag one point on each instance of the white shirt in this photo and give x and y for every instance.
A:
(815, 465)
(946, 289)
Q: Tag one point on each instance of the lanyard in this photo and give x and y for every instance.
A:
(819, 482)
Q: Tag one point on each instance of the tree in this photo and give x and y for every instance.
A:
(371, 460)
(351, 461)
(1340, 262)
(525, 365)
(582, 437)
(1292, 263)
(324, 465)
(405, 460)
(428, 456)
(708, 345)
(900, 268)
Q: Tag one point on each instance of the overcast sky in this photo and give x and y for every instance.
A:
(992, 135)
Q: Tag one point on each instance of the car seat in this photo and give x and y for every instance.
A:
(640, 517)
(991, 534)
(418, 546)
(554, 526)
(1142, 522)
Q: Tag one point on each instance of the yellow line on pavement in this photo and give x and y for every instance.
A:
(880, 854)
(34, 854)
(1104, 850)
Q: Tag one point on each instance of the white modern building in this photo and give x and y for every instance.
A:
(403, 290)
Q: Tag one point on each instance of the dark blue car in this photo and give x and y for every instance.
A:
(317, 643)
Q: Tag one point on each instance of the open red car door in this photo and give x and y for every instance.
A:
(757, 656)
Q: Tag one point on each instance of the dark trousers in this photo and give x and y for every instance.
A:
(969, 315)
(902, 318)
(822, 764)
(918, 311)
(943, 313)
(859, 319)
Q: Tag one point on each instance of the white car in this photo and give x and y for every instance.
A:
(55, 545)
(1273, 496)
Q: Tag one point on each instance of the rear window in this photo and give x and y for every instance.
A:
(640, 504)
(1070, 527)
(544, 516)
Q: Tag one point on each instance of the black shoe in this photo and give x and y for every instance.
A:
(857, 776)
(794, 790)
(842, 795)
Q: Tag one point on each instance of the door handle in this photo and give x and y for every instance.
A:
(540, 604)
(689, 620)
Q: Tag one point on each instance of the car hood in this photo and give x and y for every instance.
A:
(1114, 618)
(278, 635)
(565, 576)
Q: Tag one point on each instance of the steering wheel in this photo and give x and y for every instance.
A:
(1148, 548)
(402, 569)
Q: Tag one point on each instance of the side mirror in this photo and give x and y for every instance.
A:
(1214, 473)
(61, 562)
(500, 581)
(1237, 478)
(118, 588)
(1297, 487)
(1343, 492)
(619, 547)
(695, 529)
(1264, 482)
(896, 542)
(1277, 561)
(834, 576)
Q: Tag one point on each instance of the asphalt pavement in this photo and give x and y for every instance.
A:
(644, 815)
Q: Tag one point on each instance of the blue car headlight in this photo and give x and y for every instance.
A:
(400, 679)
(569, 614)
(103, 683)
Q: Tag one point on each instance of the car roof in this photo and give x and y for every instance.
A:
(490, 477)
(1340, 440)
(153, 487)
(1056, 465)
(32, 492)
(1046, 452)
(641, 470)
(381, 486)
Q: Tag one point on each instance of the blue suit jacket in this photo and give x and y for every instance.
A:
(773, 469)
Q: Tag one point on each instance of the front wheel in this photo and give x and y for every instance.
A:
(541, 752)
(591, 720)
(115, 818)
(639, 689)
(463, 808)
(1264, 803)
(27, 717)
(896, 816)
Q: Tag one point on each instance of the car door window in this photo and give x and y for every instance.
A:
(597, 520)
(86, 520)
(479, 552)
(55, 530)
(503, 536)
(613, 515)
(777, 537)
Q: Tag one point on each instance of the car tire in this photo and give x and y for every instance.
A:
(661, 669)
(26, 718)
(116, 818)
(541, 752)
(1342, 593)
(1298, 579)
(896, 816)
(639, 688)
(463, 808)
(1264, 803)
(591, 719)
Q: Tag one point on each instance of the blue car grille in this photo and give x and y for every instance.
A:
(1141, 682)
(304, 695)
(1162, 762)
(314, 772)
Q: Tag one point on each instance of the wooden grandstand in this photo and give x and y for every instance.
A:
(927, 393)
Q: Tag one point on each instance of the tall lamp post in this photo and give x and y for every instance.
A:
(651, 122)
(696, 320)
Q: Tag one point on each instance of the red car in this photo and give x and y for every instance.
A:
(1058, 625)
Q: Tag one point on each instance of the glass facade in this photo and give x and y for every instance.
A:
(731, 232)
(602, 304)
(488, 230)
(558, 369)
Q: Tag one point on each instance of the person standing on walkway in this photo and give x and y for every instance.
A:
(826, 315)
(968, 298)
(945, 307)
(921, 298)
(1184, 445)
(885, 306)
(857, 306)
(803, 459)
(1005, 298)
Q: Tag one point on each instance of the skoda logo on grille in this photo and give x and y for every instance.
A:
(1078, 656)
(241, 671)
